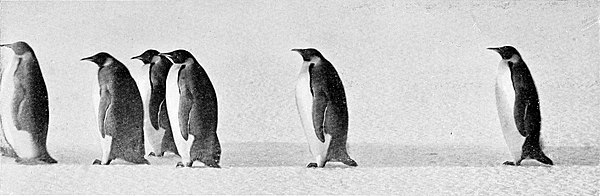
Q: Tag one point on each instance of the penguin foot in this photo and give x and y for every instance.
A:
(312, 165)
(350, 162)
(160, 154)
(508, 163)
(151, 154)
(97, 162)
(189, 164)
(179, 164)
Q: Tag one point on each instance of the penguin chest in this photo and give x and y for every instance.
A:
(505, 101)
(145, 88)
(7, 91)
(304, 100)
(152, 137)
(172, 97)
(96, 104)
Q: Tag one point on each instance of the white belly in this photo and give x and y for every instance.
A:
(21, 140)
(505, 101)
(172, 100)
(152, 137)
(304, 102)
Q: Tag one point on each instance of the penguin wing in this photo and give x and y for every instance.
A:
(154, 106)
(523, 109)
(19, 113)
(185, 106)
(103, 108)
(318, 88)
(163, 117)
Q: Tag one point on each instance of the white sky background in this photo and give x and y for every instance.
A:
(415, 73)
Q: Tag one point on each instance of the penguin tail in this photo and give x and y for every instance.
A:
(544, 159)
(48, 159)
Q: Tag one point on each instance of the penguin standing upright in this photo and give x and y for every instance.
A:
(518, 108)
(120, 112)
(192, 105)
(157, 127)
(24, 108)
(321, 102)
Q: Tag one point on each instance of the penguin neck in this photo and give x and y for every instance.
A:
(513, 59)
(505, 62)
(314, 59)
(189, 61)
(108, 62)
(19, 58)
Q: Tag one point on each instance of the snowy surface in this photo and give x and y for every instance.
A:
(278, 168)
(419, 82)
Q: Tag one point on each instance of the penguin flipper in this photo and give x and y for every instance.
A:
(154, 108)
(102, 109)
(185, 106)
(521, 117)
(320, 99)
(19, 113)
(319, 110)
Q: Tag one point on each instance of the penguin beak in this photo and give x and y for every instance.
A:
(88, 58)
(6, 45)
(494, 49)
(297, 50)
(137, 57)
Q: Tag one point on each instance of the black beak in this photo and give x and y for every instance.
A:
(297, 50)
(88, 58)
(494, 49)
(137, 57)
(6, 45)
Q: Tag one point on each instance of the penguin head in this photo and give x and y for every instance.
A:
(178, 56)
(147, 56)
(506, 51)
(308, 53)
(19, 47)
(100, 59)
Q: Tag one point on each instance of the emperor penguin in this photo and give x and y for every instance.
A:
(192, 107)
(321, 102)
(120, 112)
(157, 127)
(518, 108)
(24, 108)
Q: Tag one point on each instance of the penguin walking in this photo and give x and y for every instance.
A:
(192, 106)
(321, 102)
(120, 112)
(157, 127)
(24, 108)
(518, 108)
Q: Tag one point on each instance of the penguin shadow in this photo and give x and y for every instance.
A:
(256, 154)
(367, 155)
